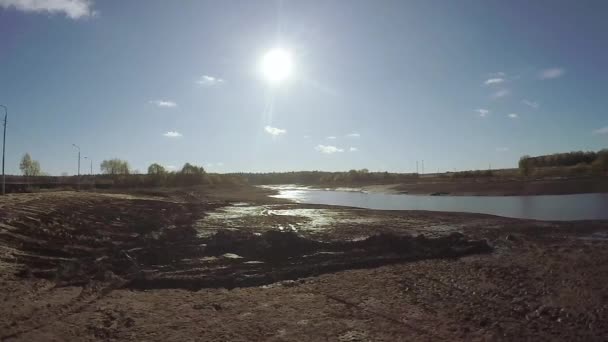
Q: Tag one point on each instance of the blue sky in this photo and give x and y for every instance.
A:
(391, 81)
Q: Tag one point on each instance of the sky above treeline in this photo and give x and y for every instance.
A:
(302, 85)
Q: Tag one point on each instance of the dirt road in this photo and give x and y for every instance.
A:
(235, 266)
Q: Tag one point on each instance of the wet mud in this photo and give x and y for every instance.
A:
(151, 243)
(126, 266)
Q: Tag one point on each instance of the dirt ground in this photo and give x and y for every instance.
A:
(235, 265)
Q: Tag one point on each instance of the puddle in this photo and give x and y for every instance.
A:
(281, 217)
(231, 256)
(293, 218)
(440, 229)
(598, 236)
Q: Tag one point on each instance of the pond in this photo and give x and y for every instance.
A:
(553, 207)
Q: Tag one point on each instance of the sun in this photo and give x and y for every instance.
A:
(277, 65)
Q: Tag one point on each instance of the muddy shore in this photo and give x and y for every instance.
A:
(235, 265)
(467, 187)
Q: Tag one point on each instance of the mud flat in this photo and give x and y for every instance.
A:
(235, 265)
(496, 187)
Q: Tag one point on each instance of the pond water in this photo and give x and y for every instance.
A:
(554, 207)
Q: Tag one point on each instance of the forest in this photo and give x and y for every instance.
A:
(566, 164)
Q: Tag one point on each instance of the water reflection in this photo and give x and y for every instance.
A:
(555, 207)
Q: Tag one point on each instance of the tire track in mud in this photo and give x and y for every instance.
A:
(72, 238)
(390, 318)
(76, 305)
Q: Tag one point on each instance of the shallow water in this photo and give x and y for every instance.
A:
(554, 207)
(252, 217)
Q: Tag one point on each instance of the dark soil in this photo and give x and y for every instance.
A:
(154, 244)
(98, 267)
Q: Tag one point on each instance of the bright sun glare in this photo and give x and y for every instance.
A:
(277, 65)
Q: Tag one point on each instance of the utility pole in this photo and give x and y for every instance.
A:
(3, 148)
(91, 160)
(416, 166)
(78, 179)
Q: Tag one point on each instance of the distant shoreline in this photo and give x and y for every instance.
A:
(486, 187)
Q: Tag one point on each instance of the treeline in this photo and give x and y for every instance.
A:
(471, 174)
(362, 176)
(571, 163)
(116, 173)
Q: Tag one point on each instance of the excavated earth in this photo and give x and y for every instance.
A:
(235, 265)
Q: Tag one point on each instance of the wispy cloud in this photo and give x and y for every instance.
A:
(209, 81)
(307, 137)
(274, 131)
(331, 137)
(327, 149)
(482, 112)
(171, 167)
(551, 73)
(354, 135)
(497, 74)
(73, 9)
(532, 104)
(173, 134)
(603, 130)
(502, 149)
(513, 116)
(217, 164)
(501, 93)
(496, 80)
(163, 103)
(353, 149)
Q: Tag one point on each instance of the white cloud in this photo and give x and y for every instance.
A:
(164, 103)
(494, 81)
(331, 137)
(307, 137)
(353, 149)
(327, 149)
(173, 134)
(502, 149)
(171, 167)
(501, 93)
(497, 74)
(603, 130)
(73, 9)
(274, 131)
(552, 73)
(218, 164)
(513, 116)
(353, 135)
(532, 104)
(209, 81)
(482, 112)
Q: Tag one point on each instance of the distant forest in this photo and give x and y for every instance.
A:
(117, 173)
(326, 178)
(570, 163)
